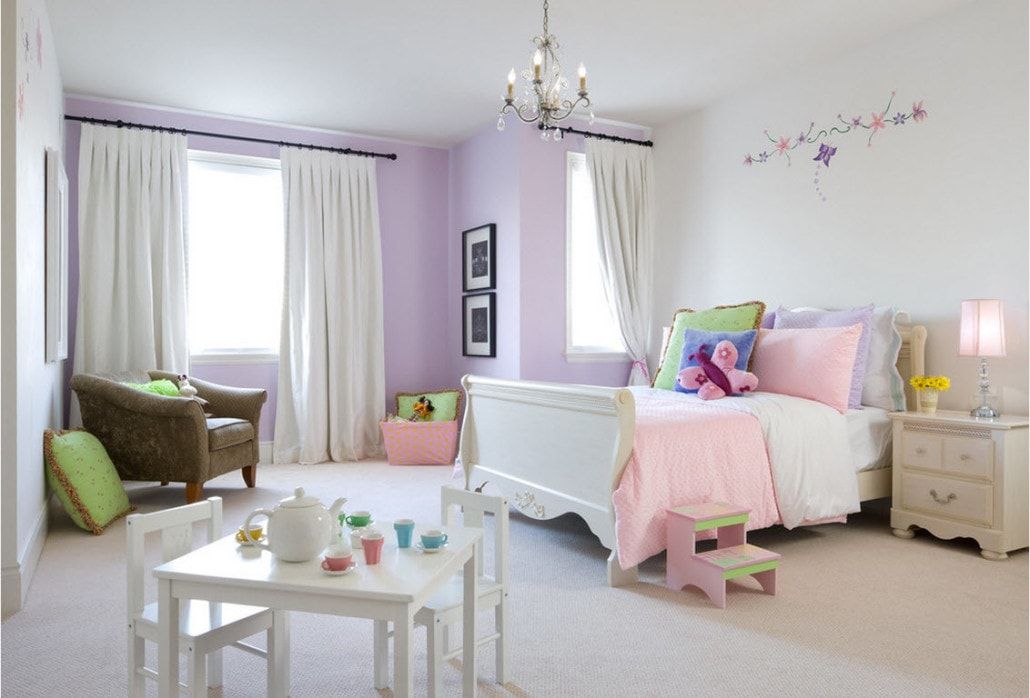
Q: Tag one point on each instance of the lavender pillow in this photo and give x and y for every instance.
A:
(768, 320)
(693, 340)
(807, 319)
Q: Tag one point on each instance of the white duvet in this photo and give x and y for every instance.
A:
(809, 452)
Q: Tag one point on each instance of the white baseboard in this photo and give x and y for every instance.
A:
(265, 452)
(16, 579)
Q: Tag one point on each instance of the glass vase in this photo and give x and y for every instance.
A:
(928, 401)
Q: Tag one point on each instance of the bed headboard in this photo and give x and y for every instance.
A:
(911, 358)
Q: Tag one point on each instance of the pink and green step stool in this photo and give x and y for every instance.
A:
(733, 557)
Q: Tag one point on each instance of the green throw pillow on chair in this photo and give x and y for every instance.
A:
(446, 404)
(159, 387)
(79, 470)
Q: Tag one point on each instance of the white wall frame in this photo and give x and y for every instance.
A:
(56, 257)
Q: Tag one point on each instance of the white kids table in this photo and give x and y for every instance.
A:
(390, 591)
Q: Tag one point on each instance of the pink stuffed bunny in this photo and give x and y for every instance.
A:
(715, 376)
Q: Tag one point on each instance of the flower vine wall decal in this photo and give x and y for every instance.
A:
(827, 149)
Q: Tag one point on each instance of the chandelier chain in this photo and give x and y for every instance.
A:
(545, 18)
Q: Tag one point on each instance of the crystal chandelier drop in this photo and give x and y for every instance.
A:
(544, 101)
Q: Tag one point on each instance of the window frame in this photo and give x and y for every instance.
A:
(575, 353)
(226, 355)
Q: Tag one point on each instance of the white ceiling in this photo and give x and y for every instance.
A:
(434, 71)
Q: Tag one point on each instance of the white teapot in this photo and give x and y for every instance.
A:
(299, 528)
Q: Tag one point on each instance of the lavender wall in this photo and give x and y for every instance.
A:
(484, 188)
(413, 196)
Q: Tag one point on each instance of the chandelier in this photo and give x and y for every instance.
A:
(544, 99)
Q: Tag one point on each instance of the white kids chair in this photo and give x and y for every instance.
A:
(445, 608)
(205, 628)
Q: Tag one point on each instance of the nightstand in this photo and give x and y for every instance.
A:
(959, 476)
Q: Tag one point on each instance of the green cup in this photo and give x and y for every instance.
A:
(359, 519)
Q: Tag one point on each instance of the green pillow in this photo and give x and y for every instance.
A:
(446, 405)
(160, 387)
(84, 478)
(721, 318)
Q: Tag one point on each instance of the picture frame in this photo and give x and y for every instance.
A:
(56, 245)
(479, 258)
(479, 324)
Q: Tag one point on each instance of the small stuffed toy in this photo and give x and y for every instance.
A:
(714, 376)
(423, 409)
(185, 389)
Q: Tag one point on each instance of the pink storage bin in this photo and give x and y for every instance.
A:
(420, 443)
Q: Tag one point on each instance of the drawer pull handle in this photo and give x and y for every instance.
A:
(920, 451)
(943, 500)
(965, 456)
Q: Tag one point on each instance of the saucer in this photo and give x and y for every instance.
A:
(428, 551)
(241, 544)
(338, 573)
(358, 528)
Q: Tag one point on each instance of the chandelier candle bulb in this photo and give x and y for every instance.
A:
(511, 83)
(538, 59)
(582, 78)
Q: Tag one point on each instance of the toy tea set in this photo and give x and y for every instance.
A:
(300, 528)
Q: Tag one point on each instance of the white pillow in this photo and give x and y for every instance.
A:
(882, 386)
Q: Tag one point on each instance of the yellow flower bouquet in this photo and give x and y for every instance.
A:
(938, 383)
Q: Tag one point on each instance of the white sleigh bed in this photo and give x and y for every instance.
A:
(555, 448)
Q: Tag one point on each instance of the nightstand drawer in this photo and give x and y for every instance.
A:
(945, 497)
(922, 450)
(969, 457)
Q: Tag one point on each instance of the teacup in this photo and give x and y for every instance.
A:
(433, 539)
(359, 519)
(404, 528)
(255, 532)
(372, 543)
(336, 564)
(338, 557)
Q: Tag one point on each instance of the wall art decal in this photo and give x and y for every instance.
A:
(825, 138)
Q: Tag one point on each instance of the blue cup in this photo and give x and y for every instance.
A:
(404, 528)
(434, 539)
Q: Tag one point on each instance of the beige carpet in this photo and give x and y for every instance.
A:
(859, 612)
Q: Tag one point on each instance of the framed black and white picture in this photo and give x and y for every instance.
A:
(478, 259)
(479, 324)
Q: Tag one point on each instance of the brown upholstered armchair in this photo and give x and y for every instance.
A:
(168, 439)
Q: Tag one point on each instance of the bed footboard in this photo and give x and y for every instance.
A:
(552, 448)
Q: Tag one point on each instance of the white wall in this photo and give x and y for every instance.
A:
(933, 213)
(37, 391)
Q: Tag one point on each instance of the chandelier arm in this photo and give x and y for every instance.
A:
(570, 107)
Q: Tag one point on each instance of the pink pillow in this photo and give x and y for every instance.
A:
(812, 363)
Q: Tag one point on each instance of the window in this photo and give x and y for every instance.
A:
(235, 257)
(592, 333)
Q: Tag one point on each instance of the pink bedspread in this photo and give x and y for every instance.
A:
(715, 455)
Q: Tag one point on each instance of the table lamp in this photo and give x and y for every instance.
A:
(982, 334)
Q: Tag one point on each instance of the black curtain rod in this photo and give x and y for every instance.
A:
(603, 136)
(189, 132)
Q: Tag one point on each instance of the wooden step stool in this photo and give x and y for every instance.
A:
(733, 557)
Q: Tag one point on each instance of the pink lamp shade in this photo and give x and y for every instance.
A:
(982, 332)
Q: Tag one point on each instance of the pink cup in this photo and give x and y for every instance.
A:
(336, 564)
(373, 545)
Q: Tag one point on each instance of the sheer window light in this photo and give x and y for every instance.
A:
(591, 325)
(235, 255)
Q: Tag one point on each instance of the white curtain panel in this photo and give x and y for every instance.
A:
(331, 368)
(623, 180)
(132, 252)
